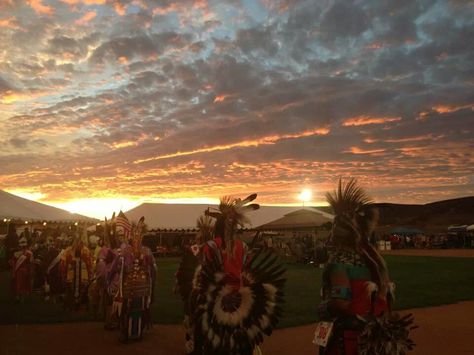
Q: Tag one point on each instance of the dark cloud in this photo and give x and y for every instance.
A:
(4, 85)
(344, 18)
(138, 46)
(202, 96)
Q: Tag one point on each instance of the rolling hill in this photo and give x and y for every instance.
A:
(431, 217)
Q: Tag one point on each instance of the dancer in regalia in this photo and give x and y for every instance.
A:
(106, 288)
(54, 285)
(357, 292)
(136, 270)
(76, 266)
(22, 270)
(192, 257)
(236, 292)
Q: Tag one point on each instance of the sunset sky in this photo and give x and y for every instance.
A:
(107, 103)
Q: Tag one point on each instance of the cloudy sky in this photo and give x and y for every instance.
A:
(116, 101)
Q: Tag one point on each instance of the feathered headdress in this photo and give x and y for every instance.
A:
(234, 209)
(110, 232)
(137, 234)
(230, 214)
(205, 224)
(355, 221)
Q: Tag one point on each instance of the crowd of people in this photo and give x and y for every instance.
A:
(431, 241)
(232, 292)
(111, 274)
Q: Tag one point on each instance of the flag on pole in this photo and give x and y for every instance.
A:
(122, 221)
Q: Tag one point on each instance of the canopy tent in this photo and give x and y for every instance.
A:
(306, 218)
(470, 228)
(184, 216)
(405, 231)
(456, 229)
(17, 208)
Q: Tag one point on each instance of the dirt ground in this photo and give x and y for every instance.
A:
(443, 330)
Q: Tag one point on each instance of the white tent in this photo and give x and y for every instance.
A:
(184, 216)
(15, 207)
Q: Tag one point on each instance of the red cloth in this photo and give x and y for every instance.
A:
(233, 264)
(361, 303)
(22, 274)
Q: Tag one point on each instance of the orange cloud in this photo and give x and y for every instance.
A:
(220, 98)
(442, 109)
(366, 120)
(11, 97)
(9, 23)
(38, 6)
(124, 144)
(243, 144)
(414, 139)
(370, 140)
(375, 45)
(451, 108)
(120, 9)
(85, 2)
(356, 150)
(86, 18)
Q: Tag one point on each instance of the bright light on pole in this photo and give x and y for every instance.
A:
(305, 196)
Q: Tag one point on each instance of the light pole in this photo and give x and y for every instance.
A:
(305, 196)
(7, 221)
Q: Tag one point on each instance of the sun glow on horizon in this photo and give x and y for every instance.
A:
(97, 207)
(100, 207)
(305, 195)
(29, 195)
(185, 200)
(105, 207)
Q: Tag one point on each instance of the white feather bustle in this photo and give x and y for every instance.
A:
(253, 331)
(210, 334)
(370, 288)
(264, 322)
(270, 307)
(248, 278)
(210, 290)
(391, 289)
(205, 324)
(216, 341)
(189, 346)
(271, 290)
(218, 276)
(233, 318)
(196, 277)
(186, 321)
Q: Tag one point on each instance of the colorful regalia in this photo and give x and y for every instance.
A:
(236, 293)
(106, 289)
(135, 270)
(39, 254)
(192, 257)
(357, 291)
(22, 270)
(76, 268)
(54, 285)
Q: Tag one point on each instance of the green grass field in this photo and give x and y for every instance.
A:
(421, 282)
